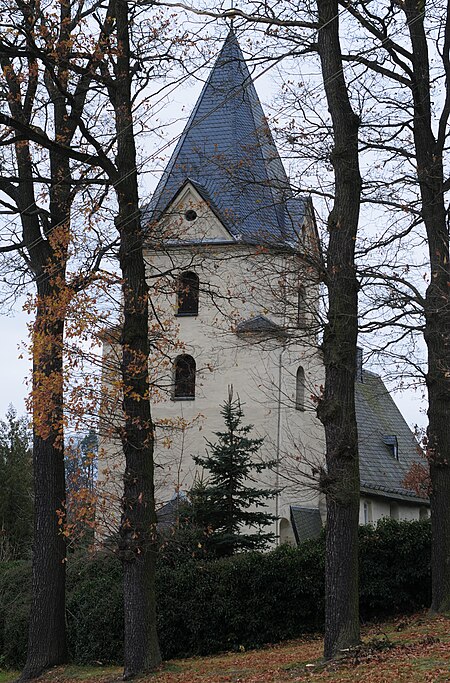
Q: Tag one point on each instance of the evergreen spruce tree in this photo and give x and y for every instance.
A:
(229, 495)
(16, 490)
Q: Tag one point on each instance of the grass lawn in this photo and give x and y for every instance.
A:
(413, 650)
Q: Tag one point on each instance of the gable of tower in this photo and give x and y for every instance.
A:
(192, 217)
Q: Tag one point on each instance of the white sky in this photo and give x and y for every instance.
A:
(13, 370)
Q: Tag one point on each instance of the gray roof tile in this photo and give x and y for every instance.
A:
(259, 325)
(306, 523)
(228, 151)
(377, 417)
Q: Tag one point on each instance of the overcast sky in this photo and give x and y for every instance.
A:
(13, 370)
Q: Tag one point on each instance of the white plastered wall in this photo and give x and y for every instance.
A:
(376, 508)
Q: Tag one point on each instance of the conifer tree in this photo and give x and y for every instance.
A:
(229, 494)
(16, 491)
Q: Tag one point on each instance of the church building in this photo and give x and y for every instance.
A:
(233, 255)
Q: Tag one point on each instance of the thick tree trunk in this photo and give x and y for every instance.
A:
(138, 523)
(47, 631)
(337, 408)
(430, 171)
(437, 337)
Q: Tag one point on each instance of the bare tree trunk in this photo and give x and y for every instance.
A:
(337, 408)
(429, 155)
(47, 633)
(138, 523)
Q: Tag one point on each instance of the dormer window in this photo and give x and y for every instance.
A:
(391, 442)
(184, 378)
(188, 294)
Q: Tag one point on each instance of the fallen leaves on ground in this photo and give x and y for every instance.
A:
(409, 650)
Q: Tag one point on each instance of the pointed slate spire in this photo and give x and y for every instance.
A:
(228, 153)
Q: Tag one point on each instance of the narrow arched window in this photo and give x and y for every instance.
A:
(187, 293)
(300, 389)
(301, 307)
(184, 379)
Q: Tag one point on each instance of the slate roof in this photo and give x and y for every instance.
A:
(379, 420)
(306, 523)
(259, 325)
(168, 513)
(227, 151)
(378, 417)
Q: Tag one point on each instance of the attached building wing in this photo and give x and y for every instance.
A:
(387, 447)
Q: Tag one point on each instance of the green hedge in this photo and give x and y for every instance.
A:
(15, 589)
(206, 607)
(95, 609)
(395, 575)
(246, 600)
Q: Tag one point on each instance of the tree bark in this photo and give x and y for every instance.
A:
(429, 157)
(138, 523)
(336, 410)
(47, 629)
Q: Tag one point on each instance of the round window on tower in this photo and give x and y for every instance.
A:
(190, 215)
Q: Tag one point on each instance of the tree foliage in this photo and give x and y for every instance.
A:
(16, 491)
(81, 469)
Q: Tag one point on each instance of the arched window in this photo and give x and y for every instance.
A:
(301, 307)
(184, 380)
(300, 389)
(187, 293)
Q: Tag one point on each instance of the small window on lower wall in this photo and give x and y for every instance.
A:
(367, 512)
(394, 511)
(184, 378)
(424, 513)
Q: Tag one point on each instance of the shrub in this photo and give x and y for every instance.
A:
(15, 591)
(245, 600)
(395, 574)
(95, 609)
(208, 606)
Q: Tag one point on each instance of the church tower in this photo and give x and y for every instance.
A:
(240, 295)
(231, 257)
